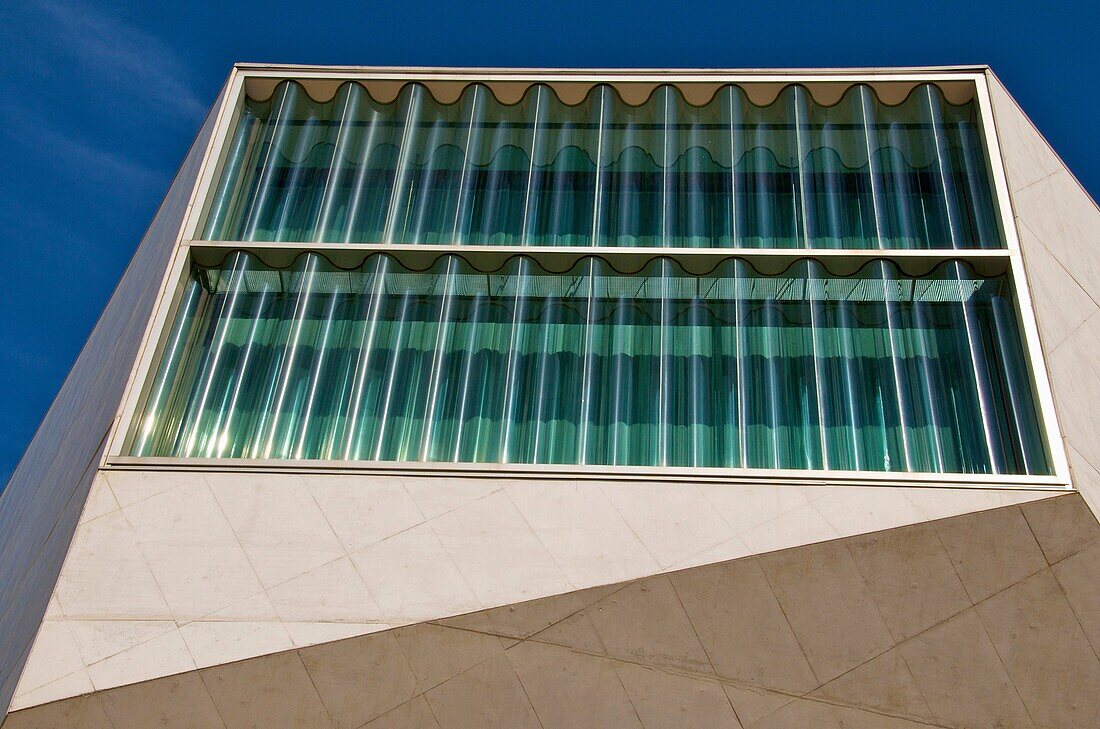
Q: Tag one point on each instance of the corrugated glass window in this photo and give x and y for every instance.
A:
(870, 371)
(834, 292)
(859, 174)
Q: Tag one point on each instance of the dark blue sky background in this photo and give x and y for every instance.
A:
(99, 101)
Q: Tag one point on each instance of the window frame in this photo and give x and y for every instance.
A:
(1008, 260)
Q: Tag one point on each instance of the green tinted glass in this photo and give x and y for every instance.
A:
(859, 174)
(874, 371)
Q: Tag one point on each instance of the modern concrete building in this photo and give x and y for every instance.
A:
(466, 398)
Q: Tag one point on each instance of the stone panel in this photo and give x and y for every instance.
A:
(1059, 226)
(360, 679)
(178, 702)
(570, 689)
(273, 692)
(1028, 158)
(1045, 651)
(645, 622)
(437, 653)
(220, 555)
(415, 714)
(489, 694)
(961, 677)
(910, 577)
(883, 683)
(82, 712)
(991, 551)
(829, 607)
(665, 699)
(742, 626)
(47, 492)
(1062, 526)
(1079, 577)
(791, 639)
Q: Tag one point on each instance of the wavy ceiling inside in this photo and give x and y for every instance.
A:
(873, 372)
(858, 173)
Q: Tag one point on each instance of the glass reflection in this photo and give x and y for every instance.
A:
(806, 370)
(860, 174)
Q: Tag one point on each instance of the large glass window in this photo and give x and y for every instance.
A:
(834, 290)
(872, 371)
(857, 174)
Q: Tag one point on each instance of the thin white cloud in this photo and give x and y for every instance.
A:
(80, 155)
(75, 156)
(135, 63)
(140, 76)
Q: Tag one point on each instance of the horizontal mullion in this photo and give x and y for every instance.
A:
(630, 473)
(535, 75)
(986, 262)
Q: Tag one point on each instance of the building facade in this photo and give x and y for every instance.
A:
(485, 397)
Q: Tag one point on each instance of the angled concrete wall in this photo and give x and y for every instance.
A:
(1059, 226)
(983, 620)
(169, 572)
(45, 496)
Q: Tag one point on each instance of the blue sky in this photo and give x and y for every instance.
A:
(99, 101)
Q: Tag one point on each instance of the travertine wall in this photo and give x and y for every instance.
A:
(41, 503)
(1059, 227)
(169, 572)
(981, 620)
